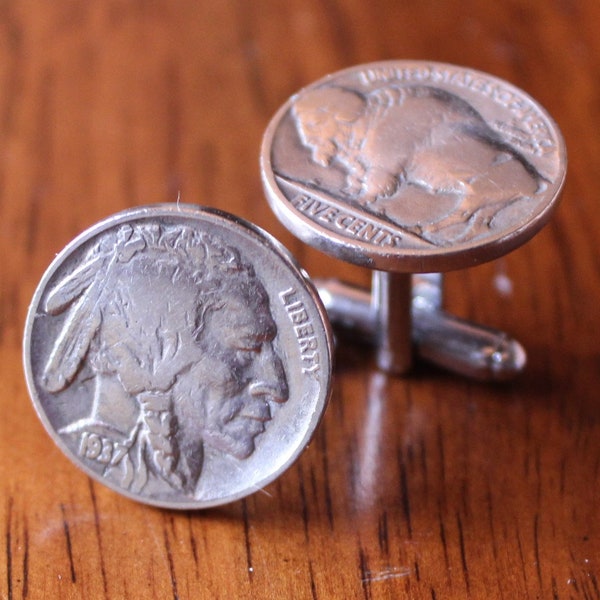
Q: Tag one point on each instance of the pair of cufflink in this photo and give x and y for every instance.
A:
(206, 379)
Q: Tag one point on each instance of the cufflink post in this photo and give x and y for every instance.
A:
(391, 300)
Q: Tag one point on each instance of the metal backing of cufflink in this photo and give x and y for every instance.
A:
(411, 169)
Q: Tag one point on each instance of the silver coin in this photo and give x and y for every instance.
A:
(178, 355)
(413, 166)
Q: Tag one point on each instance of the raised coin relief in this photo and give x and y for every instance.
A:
(415, 156)
(304, 330)
(176, 332)
(371, 230)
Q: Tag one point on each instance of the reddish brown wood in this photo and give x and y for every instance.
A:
(428, 487)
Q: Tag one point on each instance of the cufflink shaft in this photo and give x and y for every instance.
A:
(391, 300)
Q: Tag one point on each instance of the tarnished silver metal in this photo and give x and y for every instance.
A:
(412, 167)
(178, 355)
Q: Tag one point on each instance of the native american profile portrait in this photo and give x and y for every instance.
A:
(175, 332)
(400, 144)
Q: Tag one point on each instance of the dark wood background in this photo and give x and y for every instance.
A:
(428, 487)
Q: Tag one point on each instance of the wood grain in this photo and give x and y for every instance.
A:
(429, 487)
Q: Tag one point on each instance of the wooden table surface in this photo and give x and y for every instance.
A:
(427, 487)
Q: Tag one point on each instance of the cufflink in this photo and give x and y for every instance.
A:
(412, 169)
(178, 355)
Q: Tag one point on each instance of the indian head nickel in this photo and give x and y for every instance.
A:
(178, 355)
(413, 166)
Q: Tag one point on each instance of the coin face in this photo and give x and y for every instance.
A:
(178, 355)
(413, 166)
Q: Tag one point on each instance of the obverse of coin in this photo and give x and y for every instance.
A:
(413, 166)
(178, 355)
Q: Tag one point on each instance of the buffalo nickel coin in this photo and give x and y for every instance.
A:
(178, 355)
(413, 166)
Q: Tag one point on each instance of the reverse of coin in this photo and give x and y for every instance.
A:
(413, 166)
(178, 355)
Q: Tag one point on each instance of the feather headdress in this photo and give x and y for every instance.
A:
(184, 251)
(80, 293)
